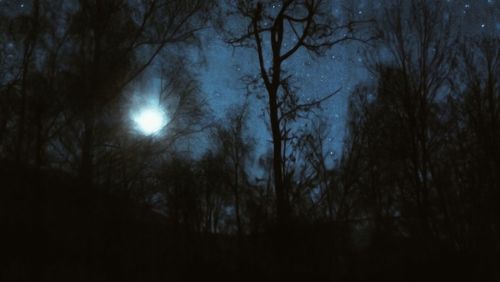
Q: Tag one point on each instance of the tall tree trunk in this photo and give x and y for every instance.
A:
(22, 111)
(279, 184)
(29, 46)
(237, 201)
(86, 164)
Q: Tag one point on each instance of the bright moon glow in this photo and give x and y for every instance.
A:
(150, 120)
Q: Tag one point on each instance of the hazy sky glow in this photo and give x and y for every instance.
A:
(343, 67)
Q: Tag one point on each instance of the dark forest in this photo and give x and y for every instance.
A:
(117, 165)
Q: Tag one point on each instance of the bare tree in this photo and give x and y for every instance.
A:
(474, 156)
(418, 39)
(277, 31)
(236, 147)
(111, 44)
(22, 31)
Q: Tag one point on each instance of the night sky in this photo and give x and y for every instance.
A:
(342, 67)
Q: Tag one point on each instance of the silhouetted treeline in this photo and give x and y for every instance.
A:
(413, 195)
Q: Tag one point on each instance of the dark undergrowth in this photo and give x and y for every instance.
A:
(53, 229)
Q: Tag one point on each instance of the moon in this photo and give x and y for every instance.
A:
(150, 120)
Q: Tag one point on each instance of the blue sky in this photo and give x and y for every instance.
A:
(342, 67)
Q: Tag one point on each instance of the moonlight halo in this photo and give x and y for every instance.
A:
(150, 120)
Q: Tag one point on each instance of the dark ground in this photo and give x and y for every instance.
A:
(55, 230)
